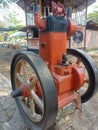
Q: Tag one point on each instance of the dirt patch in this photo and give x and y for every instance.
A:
(6, 55)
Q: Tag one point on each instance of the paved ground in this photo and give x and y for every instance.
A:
(10, 118)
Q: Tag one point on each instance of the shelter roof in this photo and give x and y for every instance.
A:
(78, 4)
(92, 25)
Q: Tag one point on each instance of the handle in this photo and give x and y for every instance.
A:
(16, 93)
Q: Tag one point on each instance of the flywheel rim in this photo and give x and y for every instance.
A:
(91, 69)
(52, 98)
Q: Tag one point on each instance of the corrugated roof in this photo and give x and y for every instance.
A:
(92, 25)
(79, 4)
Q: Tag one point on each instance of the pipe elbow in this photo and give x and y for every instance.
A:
(71, 27)
(40, 23)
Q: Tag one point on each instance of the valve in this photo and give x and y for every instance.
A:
(58, 9)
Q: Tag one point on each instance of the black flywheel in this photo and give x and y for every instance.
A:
(39, 110)
(77, 56)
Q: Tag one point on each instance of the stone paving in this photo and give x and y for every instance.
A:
(10, 118)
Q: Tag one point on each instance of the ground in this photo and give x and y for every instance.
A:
(10, 118)
(5, 61)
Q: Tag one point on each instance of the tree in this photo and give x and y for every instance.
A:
(12, 18)
(2, 24)
(93, 16)
(9, 14)
(5, 3)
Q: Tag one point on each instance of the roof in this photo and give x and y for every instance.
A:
(92, 25)
(79, 4)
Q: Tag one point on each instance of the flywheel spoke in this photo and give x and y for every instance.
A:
(19, 77)
(37, 100)
(78, 61)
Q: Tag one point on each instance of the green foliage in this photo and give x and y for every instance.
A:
(12, 18)
(4, 3)
(2, 24)
(93, 16)
(9, 18)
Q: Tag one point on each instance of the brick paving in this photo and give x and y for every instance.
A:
(10, 118)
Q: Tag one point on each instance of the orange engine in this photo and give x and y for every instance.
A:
(50, 81)
(52, 40)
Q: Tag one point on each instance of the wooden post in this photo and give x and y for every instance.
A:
(85, 25)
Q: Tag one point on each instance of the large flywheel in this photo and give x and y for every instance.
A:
(77, 56)
(34, 90)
